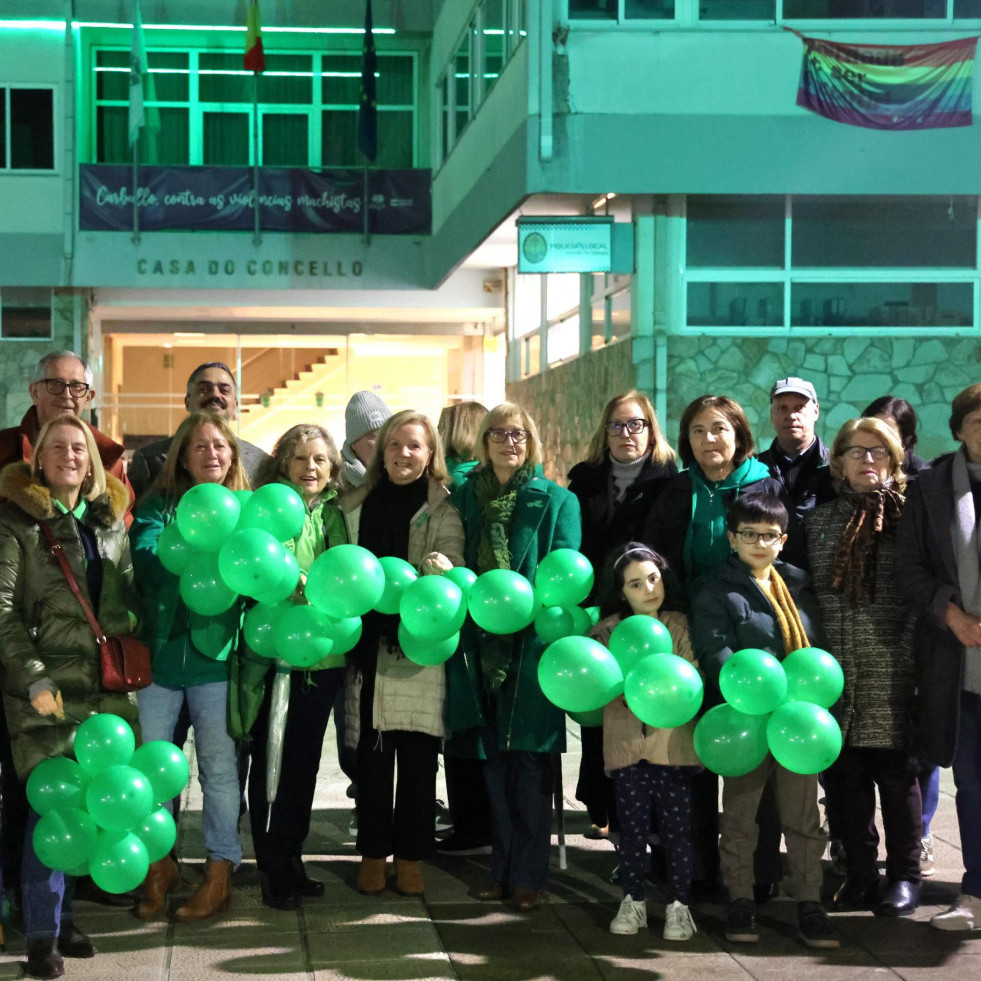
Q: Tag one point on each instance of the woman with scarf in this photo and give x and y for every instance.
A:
(395, 707)
(852, 545)
(513, 517)
(939, 543)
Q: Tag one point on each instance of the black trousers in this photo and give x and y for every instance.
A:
(850, 784)
(13, 807)
(311, 699)
(595, 788)
(466, 792)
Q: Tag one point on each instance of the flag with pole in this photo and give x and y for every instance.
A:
(139, 71)
(255, 57)
(368, 109)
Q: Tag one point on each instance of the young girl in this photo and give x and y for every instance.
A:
(650, 767)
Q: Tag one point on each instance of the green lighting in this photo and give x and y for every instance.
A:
(235, 71)
(32, 25)
(209, 27)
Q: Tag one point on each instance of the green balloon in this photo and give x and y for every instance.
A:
(399, 575)
(64, 838)
(432, 608)
(753, 681)
(553, 623)
(814, 676)
(202, 588)
(582, 623)
(173, 550)
(102, 741)
(803, 737)
(345, 581)
(119, 861)
(260, 627)
(165, 766)
(57, 782)
(663, 690)
(276, 509)
(427, 652)
(206, 515)
(242, 496)
(251, 562)
(288, 571)
(463, 577)
(564, 578)
(593, 612)
(119, 798)
(729, 742)
(213, 637)
(303, 636)
(588, 719)
(346, 633)
(158, 833)
(636, 637)
(502, 602)
(579, 674)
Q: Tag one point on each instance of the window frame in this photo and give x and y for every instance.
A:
(32, 339)
(6, 169)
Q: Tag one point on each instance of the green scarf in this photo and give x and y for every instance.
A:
(706, 544)
(497, 504)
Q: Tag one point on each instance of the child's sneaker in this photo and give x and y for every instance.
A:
(678, 924)
(927, 865)
(741, 922)
(814, 927)
(631, 917)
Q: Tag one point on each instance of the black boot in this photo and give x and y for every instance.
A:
(278, 890)
(305, 886)
(42, 961)
(72, 942)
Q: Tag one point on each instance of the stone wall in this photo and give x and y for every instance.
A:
(566, 402)
(848, 373)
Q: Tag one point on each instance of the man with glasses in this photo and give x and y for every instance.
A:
(211, 386)
(798, 459)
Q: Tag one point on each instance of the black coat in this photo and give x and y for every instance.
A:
(928, 579)
(604, 523)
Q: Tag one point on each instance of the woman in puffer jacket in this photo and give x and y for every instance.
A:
(51, 675)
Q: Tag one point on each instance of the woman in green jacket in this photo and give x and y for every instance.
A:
(512, 517)
(306, 459)
(204, 450)
(51, 675)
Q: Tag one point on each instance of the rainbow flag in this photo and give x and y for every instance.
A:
(889, 86)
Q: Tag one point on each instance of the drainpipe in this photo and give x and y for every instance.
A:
(545, 79)
(69, 153)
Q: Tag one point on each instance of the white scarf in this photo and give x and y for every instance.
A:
(964, 532)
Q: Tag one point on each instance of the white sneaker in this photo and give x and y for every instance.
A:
(964, 914)
(678, 924)
(927, 866)
(632, 916)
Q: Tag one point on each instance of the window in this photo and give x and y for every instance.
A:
(855, 9)
(736, 230)
(26, 128)
(25, 313)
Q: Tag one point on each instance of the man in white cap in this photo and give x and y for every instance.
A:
(363, 417)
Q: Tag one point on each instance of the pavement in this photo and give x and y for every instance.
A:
(449, 934)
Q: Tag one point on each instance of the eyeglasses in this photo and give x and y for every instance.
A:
(504, 435)
(861, 452)
(751, 537)
(55, 386)
(632, 426)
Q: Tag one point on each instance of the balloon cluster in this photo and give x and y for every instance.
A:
(102, 816)
(773, 706)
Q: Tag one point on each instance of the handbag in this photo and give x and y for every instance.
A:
(124, 661)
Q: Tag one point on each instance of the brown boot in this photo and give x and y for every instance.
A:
(408, 877)
(213, 895)
(161, 878)
(371, 876)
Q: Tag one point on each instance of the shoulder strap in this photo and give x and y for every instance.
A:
(59, 556)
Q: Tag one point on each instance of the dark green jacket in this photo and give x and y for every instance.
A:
(45, 640)
(546, 517)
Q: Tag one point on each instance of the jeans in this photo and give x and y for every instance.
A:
(967, 780)
(217, 760)
(929, 780)
(46, 894)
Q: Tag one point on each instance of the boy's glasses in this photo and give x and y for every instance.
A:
(751, 537)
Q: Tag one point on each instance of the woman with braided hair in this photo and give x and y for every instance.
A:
(870, 630)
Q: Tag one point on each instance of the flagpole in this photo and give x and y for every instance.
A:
(365, 200)
(135, 147)
(256, 232)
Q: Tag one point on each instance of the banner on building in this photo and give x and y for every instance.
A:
(887, 86)
(222, 199)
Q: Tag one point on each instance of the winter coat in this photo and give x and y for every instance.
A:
(458, 470)
(606, 524)
(731, 612)
(546, 517)
(873, 643)
(627, 740)
(408, 696)
(928, 581)
(45, 639)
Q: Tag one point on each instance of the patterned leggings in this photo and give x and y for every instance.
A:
(639, 788)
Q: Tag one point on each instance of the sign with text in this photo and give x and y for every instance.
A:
(564, 245)
(222, 199)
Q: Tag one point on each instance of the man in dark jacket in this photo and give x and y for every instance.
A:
(211, 386)
(798, 459)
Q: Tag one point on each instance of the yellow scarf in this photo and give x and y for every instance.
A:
(791, 629)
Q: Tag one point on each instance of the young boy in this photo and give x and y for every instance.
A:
(756, 601)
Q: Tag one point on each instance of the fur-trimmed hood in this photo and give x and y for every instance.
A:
(34, 498)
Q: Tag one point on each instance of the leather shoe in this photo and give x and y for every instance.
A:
(278, 890)
(42, 961)
(494, 890)
(86, 889)
(305, 886)
(73, 943)
(901, 898)
(527, 899)
(855, 894)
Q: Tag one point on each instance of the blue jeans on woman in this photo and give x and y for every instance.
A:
(217, 759)
(46, 894)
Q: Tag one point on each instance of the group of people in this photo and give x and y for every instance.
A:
(860, 548)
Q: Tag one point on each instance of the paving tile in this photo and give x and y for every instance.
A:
(949, 963)
(388, 969)
(406, 939)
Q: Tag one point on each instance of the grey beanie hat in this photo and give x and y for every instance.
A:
(365, 412)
